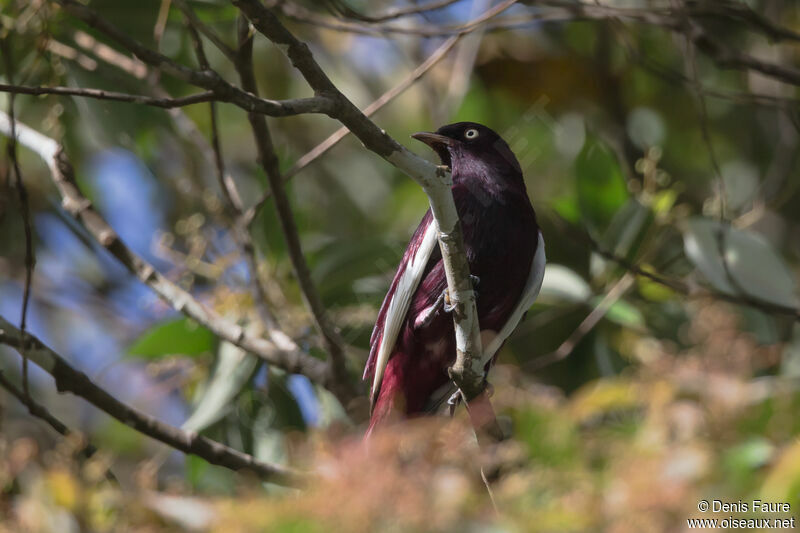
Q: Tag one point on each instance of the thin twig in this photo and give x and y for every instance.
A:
(463, 65)
(22, 194)
(212, 36)
(334, 138)
(678, 285)
(390, 14)
(702, 112)
(269, 163)
(71, 380)
(555, 11)
(76, 204)
(207, 79)
(161, 22)
(39, 411)
(240, 231)
(615, 293)
(467, 372)
(301, 14)
(99, 94)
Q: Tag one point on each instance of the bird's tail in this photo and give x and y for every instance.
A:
(387, 408)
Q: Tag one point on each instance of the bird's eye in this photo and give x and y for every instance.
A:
(471, 133)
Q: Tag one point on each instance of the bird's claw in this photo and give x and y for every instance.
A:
(454, 401)
(446, 305)
(456, 398)
(443, 301)
(444, 298)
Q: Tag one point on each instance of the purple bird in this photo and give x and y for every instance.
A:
(413, 342)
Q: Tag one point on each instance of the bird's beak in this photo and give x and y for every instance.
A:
(432, 139)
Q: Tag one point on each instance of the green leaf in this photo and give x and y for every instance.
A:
(269, 443)
(342, 263)
(183, 336)
(330, 409)
(623, 313)
(567, 208)
(231, 373)
(754, 267)
(627, 228)
(562, 284)
(790, 361)
(750, 455)
(652, 291)
(600, 186)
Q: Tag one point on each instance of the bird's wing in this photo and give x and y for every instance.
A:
(529, 294)
(402, 292)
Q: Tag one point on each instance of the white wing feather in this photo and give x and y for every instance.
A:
(401, 299)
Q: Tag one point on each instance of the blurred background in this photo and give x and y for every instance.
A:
(641, 133)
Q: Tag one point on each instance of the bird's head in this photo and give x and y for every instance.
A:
(466, 144)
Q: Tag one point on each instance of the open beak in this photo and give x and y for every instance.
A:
(432, 139)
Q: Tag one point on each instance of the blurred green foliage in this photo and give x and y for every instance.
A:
(665, 401)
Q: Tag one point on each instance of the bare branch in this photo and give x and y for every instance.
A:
(99, 94)
(212, 36)
(282, 354)
(207, 79)
(334, 138)
(680, 286)
(467, 371)
(269, 162)
(554, 11)
(22, 194)
(301, 14)
(240, 231)
(615, 293)
(390, 14)
(71, 380)
(41, 412)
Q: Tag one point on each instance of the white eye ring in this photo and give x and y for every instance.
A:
(471, 133)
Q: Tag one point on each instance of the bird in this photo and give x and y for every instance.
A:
(413, 341)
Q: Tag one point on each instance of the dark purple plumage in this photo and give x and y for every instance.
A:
(501, 237)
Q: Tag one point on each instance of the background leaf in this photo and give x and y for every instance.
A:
(231, 372)
(182, 336)
(753, 263)
(600, 186)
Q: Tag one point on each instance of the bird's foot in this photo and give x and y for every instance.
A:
(444, 298)
(454, 401)
(442, 301)
(446, 305)
(427, 316)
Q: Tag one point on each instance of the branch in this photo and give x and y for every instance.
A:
(270, 164)
(682, 287)
(280, 353)
(39, 411)
(99, 94)
(467, 371)
(195, 22)
(390, 14)
(339, 381)
(552, 11)
(334, 138)
(71, 380)
(301, 14)
(592, 319)
(207, 79)
(24, 208)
